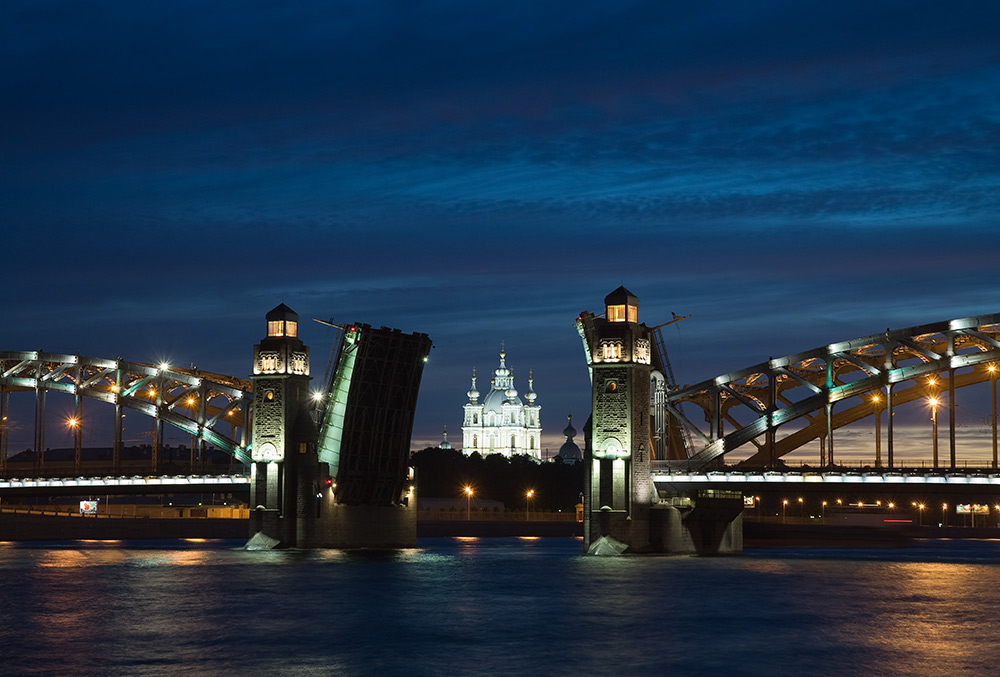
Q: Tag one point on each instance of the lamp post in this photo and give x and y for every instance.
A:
(784, 505)
(468, 503)
(527, 504)
(876, 401)
(75, 425)
(802, 508)
(933, 402)
(992, 369)
(823, 512)
(944, 514)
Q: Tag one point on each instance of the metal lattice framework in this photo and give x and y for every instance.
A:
(808, 385)
(200, 403)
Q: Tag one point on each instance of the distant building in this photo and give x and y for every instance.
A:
(501, 423)
(569, 452)
(445, 444)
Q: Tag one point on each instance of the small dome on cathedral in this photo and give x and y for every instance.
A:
(569, 452)
(473, 393)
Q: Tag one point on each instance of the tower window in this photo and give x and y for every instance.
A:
(475, 419)
(475, 441)
(288, 328)
(623, 313)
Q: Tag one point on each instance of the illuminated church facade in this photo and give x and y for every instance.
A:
(501, 423)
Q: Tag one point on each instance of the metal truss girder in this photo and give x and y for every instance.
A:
(980, 336)
(67, 375)
(745, 400)
(676, 413)
(860, 364)
(920, 350)
(950, 332)
(784, 371)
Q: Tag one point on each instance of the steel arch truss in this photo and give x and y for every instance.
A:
(197, 402)
(807, 385)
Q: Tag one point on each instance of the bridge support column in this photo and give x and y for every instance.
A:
(951, 416)
(40, 429)
(4, 405)
(78, 432)
(888, 414)
(116, 445)
(829, 432)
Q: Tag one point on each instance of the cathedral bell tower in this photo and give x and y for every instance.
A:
(283, 451)
(618, 492)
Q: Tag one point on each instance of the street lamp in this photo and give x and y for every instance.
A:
(468, 503)
(876, 400)
(527, 504)
(802, 512)
(944, 514)
(933, 402)
(784, 505)
(75, 425)
(992, 369)
(823, 512)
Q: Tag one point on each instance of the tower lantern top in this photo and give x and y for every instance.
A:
(282, 321)
(621, 305)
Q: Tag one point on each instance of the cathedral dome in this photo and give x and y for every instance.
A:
(569, 452)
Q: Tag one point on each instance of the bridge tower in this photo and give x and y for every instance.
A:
(618, 492)
(284, 473)
(622, 507)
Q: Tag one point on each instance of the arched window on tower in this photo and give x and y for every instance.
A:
(475, 441)
(475, 419)
(513, 443)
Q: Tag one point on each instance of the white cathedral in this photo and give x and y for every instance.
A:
(501, 423)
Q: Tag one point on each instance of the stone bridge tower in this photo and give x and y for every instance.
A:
(618, 492)
(284, 474)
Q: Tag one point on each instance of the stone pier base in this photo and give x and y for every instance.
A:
(360, 526)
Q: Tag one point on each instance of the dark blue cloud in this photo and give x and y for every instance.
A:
(790, 174)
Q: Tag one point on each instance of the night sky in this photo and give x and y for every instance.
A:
(790, 174)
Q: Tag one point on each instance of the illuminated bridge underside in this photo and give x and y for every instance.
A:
(199, 403)
(807, 386)
(833, 479)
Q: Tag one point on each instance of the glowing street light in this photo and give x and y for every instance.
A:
(876, 405)
(468, 503)
(933, 403)
(823, 511)
(784, 505)
(992, 369)
(527, 503)
(801, 508)
(944, 513)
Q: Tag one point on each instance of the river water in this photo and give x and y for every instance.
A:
(499, 606)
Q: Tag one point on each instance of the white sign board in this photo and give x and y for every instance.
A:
(88, 507)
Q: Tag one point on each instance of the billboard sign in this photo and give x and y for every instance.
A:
(88, 507)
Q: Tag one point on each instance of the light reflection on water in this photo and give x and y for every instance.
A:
(503, 606)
